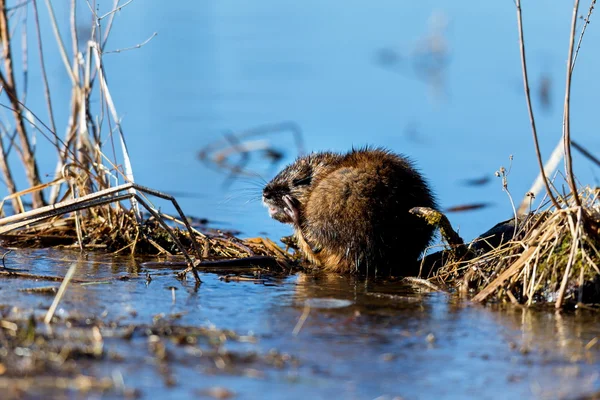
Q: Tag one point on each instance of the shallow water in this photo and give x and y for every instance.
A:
(359, 340)
(344, 72)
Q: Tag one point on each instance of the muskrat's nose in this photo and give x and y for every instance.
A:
(267, 194)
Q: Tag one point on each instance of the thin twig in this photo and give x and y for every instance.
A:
(585, 152)
(567, 110)
(74, 38)
(302, 319)
(9, 181)
(4, 257)
(60, 43)
(28, 159)
(114, 10)
(111, 106)
(60, 294)
(33, 123)
(25, 57)
(575, 234)
(586, 22)
(503, 173)
(44, 75)
(529, 106)
(549, 168)
(137, 46)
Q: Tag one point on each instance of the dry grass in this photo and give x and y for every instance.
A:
(553, 258)
(93, 201)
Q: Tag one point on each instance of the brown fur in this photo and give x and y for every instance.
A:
(350, 211)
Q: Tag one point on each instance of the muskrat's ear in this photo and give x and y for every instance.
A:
(302, 181)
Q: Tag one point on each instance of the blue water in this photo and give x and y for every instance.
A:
(222, 66)
(345, 72)
(373, 340)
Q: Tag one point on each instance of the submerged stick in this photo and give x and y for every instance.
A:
(60, 294)
(245, 262)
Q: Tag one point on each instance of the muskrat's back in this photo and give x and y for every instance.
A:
(352, 215)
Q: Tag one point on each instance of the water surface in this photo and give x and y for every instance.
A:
(348, 74)
(357, 340)
(344, 71)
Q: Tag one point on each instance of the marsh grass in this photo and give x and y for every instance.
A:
(554, 257)
(553, 254)
(93, 201)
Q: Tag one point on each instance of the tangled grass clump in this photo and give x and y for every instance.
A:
(553, 257)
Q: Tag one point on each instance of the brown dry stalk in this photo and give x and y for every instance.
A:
(529, 106)
(575, 234)
(8, 178)
(8, 82)
(60, 294)
(567, 110)
(585, 153)
(43, 72)
(504, 276)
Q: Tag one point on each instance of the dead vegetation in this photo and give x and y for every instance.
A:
(44, 361)
(92, 202)
(549, 256)
(552, 257)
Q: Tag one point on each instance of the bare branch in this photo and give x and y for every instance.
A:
(59, 42)
(44, 74)
(137, 46)
(529, 106)
(567, 110)
(25, 61)
(114, 10)
(28, 159)
(586, 22)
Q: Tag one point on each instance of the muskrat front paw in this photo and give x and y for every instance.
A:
(291, 210)
(290, 241)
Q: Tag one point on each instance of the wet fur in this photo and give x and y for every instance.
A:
(352, 210)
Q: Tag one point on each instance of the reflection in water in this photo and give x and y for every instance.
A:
(359, 339)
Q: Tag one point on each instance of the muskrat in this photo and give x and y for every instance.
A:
(350, 212)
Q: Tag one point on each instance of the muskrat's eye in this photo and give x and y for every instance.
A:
(302, 181)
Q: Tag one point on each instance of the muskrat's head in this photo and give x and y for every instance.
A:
(286, 195)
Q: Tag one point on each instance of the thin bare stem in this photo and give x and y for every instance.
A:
(137, 46)
(586, 22)
(28, 159)
(576, 235)
(74, 37)
(549, 167)
(529, 106)
(111, 106)
(32, 121)
(567, 110)
(7, 173)
(586, 153)
(109, 24)
(114, 10)
(60, 294)
(25, 58)
(44, 75)
(59, 42)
